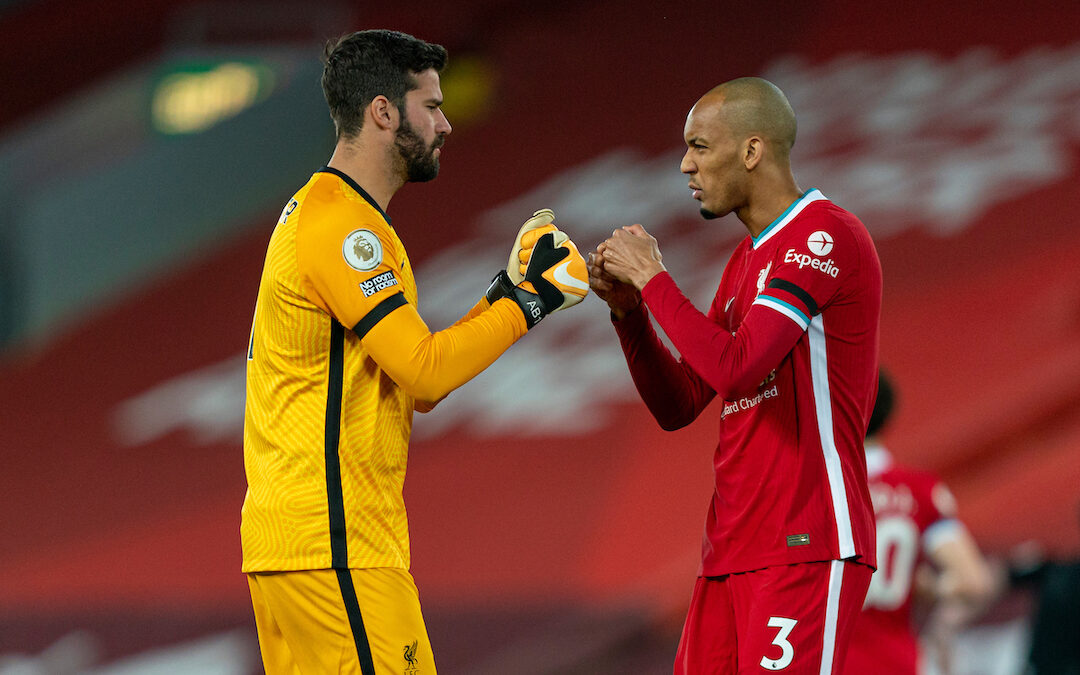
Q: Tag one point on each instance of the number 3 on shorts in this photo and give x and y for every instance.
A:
(787, 651)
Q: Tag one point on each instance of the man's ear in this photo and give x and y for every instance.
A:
(383, 113)
(753, 152)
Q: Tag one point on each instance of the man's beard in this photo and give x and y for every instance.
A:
(421, 164)
(707, 214)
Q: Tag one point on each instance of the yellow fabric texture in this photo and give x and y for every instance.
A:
(431, 365)
(303, 623)
(328, 414)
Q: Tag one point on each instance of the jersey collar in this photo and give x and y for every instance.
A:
(355, 186)
(812, 195)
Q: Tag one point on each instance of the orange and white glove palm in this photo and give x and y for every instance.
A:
(550, 273)
(540, 224)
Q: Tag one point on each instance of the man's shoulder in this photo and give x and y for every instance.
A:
(920, 485)
(908, 475)
(326, 206)
(828, 231)
(332, 194)
(824, 214)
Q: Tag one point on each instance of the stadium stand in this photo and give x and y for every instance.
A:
(130, 258)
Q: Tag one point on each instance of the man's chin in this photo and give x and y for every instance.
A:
(424, 174)
(708, 215)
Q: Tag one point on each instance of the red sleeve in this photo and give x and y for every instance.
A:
(673, 392)
(732, 364)
(804, 281)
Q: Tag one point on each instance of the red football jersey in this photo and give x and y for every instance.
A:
(791, 345)
(914, 512)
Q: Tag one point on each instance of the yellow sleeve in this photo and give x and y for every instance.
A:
(424, 406)
(427, 365)
(427, 406)
(353, 275)
(479, 307)
(348, 269)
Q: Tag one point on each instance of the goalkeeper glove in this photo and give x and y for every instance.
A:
(534, 228)
(555, 278)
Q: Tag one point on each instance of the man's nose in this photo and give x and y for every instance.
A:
(442, 125)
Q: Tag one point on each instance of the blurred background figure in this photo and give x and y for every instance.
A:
(1055, 624)
(925, 554)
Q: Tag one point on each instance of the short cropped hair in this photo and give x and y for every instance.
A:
(360, 66)
(883, 404)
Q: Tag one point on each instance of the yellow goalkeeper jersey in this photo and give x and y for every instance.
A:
(326, 424)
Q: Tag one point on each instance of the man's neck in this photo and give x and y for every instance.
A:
(769, 198)
(370, 169)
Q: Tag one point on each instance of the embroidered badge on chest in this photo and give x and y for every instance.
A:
(762, 276)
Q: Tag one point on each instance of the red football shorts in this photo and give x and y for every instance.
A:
(795, 619)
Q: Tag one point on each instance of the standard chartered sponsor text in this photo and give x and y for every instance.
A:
(747, 402)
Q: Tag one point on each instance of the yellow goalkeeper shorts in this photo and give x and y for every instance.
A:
(365, 621)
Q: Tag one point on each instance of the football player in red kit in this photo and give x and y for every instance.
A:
(790, 345)
(916, 525)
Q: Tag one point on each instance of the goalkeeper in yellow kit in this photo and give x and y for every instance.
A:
(339, 359)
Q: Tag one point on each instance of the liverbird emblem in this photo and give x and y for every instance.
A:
(409, 652)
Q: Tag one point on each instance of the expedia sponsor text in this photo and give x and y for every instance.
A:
(804, 260)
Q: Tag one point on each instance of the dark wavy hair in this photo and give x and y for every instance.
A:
(360, 66)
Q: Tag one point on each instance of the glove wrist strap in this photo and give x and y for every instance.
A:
(501, 287)
(531, 305)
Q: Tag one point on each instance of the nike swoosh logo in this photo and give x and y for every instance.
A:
(564, 278)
